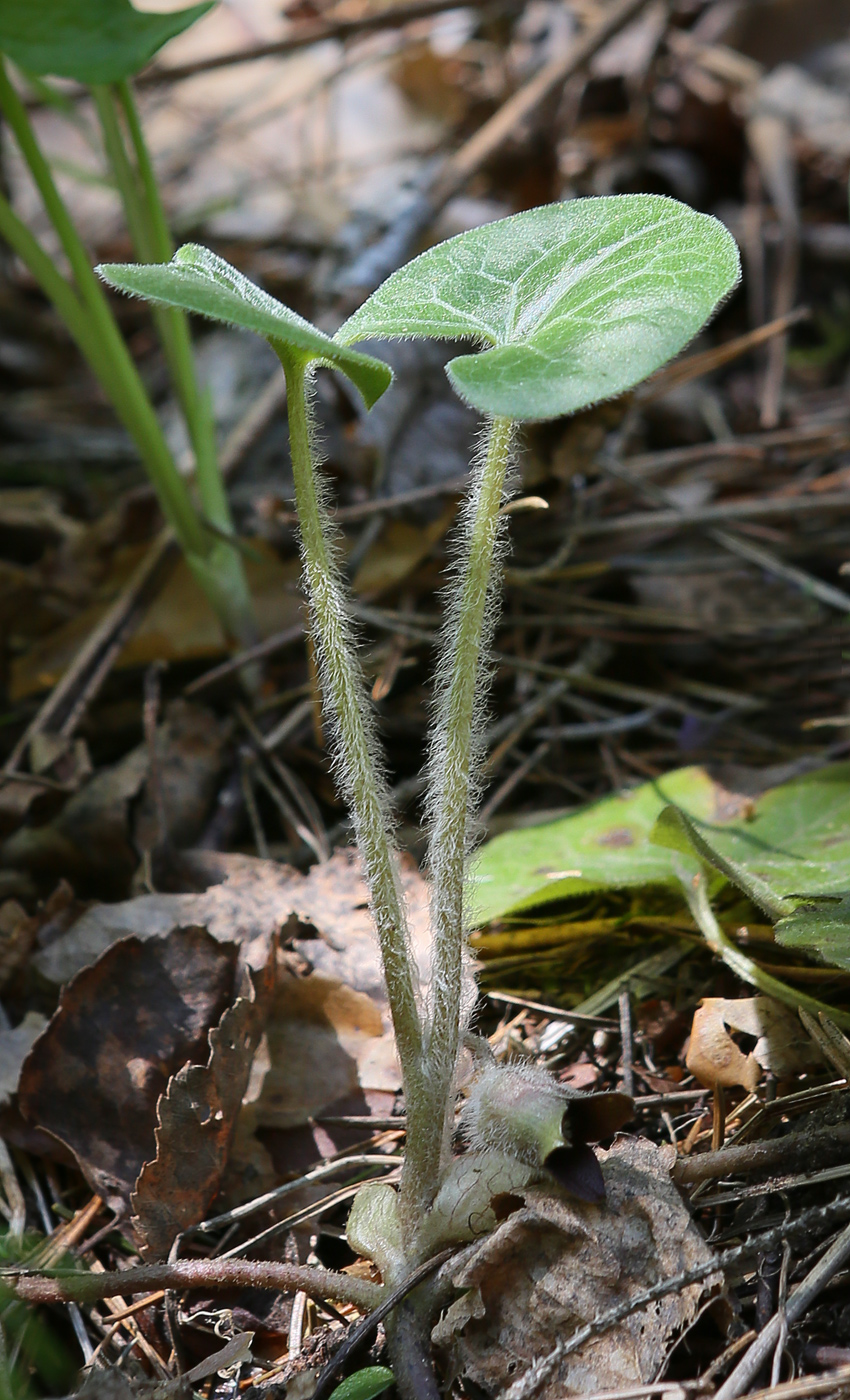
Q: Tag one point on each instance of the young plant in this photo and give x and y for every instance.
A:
(101, 43)
(570, 303)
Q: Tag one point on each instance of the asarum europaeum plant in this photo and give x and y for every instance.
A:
(567, 304)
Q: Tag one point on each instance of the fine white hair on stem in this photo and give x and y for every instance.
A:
(456, 751)
(360, 774)
(356, 751)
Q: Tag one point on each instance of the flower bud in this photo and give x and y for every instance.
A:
(523, 1112)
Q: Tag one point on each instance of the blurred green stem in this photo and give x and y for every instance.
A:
(87, 314)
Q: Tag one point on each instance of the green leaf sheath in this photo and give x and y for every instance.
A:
(356, 743)
(153, 243)
(455, 759)
(101, 340)
(94, 41)
(572, 302)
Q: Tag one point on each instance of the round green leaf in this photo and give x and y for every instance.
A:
(573, 302)
(94, 41)
(200, 281)
(365, 1384)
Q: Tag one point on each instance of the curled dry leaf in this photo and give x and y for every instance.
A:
(196, 1117)
(122, 1028)
(781, 1043)
(557, 1263)
(329, 1040)
(329, 1035)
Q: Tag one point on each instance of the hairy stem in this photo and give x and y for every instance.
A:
(454, 762)
(217, 1275)
(362, 779)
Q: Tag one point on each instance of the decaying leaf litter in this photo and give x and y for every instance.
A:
(672, 635)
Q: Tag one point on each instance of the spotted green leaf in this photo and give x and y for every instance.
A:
(570, 303)
(94, 41)
(200, 281)
(606, 845)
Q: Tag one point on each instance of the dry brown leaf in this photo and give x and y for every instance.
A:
(781, 1043)
(333, 898)
(713, 1056)
(325, 1041)
(329, 1039)
(96, 839)
(122, 1028)
(248, 900)
(196, 1118)
(557, 1263)
(180, 624)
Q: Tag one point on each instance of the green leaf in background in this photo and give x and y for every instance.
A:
(365, 1384)
(795, 852)
(197, 280)
(604, 846)
(94, 41)
(797, 842)
(822, 926)
(573, 302)
(791, 844)
(675, 830)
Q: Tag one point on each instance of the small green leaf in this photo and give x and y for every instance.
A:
(197, 280)
(365, 1384)
(573, 302)
(94, 41)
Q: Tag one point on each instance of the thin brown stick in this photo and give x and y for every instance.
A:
(758, 1156)
(524, 103)
(256, 653)
(796, 1307)
(307, 33)
(216, 1275)
(683, 371)
(378, 505)
(456, 170)
(761, 508)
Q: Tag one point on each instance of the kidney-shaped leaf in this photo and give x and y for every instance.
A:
(572, 302)
(94, 41)
(200, 281)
